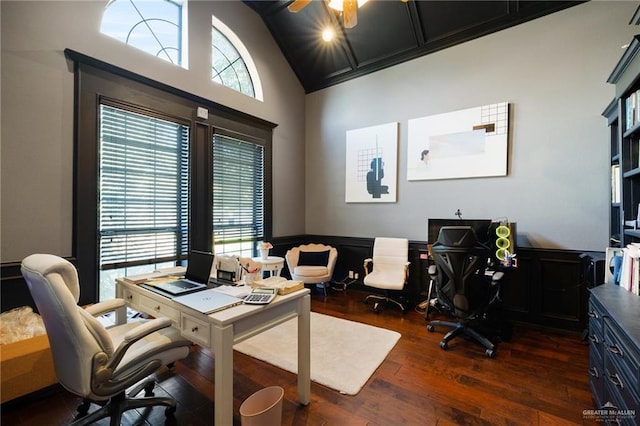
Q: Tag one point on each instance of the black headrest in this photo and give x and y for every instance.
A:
(457, 236)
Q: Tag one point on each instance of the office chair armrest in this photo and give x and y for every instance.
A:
(433, 271)
(144, 329)
(406, 269)
(496, 277)
(101, 308)
(366, 265)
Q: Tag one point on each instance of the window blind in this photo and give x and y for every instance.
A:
(144, 189)
(238, 194)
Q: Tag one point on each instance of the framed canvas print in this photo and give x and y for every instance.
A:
(460, 144)
(371, 164)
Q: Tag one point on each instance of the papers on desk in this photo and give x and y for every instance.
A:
(240, 291)
(283, 285)
(142, 278)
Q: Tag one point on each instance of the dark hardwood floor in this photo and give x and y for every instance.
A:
(539, 377)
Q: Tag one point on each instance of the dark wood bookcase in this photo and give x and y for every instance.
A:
(614, 312)
(623, 117)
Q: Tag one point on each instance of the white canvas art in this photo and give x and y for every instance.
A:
(460, 144)
(372, 163)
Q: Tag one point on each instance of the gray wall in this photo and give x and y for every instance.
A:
(552, 70)
(37, 110)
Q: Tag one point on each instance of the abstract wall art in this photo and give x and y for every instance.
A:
(372, 164)
(461, 144)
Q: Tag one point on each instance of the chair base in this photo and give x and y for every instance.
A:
(122, 402)
(459, 328)
(382, 301)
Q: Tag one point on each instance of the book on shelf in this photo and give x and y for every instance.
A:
(630, 270)
(615, 183)
(630, 109)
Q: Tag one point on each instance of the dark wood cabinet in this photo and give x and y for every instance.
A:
(614, 353)
(548, 288)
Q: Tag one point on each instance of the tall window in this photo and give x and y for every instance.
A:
(231, 64)
(238, 195)
(143, 194)
(154, 26)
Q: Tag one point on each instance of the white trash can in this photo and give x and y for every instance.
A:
(263, 408)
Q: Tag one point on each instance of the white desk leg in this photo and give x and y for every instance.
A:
(304, 351)
(223, 364)
(121, 315)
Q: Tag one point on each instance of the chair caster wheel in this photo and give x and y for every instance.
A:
(444, 345)
(490, 353)
(83, 409)
(148, 389)
(168, 412)
(430, 328)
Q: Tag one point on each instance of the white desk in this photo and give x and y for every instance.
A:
(272, 264)
(219, 331)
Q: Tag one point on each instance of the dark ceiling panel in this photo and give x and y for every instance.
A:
(383, 30)
(299, 36)
(441, 19)
(388, 32)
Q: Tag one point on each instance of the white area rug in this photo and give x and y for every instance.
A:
(344, 354)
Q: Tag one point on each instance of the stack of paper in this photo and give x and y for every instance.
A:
(283, 285)
(240, 291)
(142, 278)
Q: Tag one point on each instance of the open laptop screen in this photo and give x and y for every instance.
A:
(199, 266)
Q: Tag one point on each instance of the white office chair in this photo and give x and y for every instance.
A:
(312, 264)
(390, 270)
(92, 361)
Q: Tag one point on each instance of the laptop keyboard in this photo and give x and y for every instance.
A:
(177, 287)
(182, 285)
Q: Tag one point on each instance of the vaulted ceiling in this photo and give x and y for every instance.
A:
(388, 32)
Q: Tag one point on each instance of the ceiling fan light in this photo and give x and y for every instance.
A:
(328, 34)
(338, 4)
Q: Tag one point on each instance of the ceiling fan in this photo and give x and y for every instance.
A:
(349, 9)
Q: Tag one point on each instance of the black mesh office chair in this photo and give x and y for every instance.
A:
(461, 285)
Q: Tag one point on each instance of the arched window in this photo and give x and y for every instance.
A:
(154, 26)
(231, 64)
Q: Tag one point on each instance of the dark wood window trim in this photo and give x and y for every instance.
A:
(94, 80)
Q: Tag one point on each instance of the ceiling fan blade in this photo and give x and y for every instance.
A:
(350, 13)
(297, 5)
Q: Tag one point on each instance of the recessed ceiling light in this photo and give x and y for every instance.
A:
(328, 34)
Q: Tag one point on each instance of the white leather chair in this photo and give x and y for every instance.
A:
(390, 270)
(92, 361)
(312, 263)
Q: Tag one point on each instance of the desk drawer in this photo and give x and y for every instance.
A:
(131, 297)
(195, 330)
(621, 357)
(158, 309)
(621, 398)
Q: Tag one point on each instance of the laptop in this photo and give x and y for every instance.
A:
(195, 278)
(208, 301)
